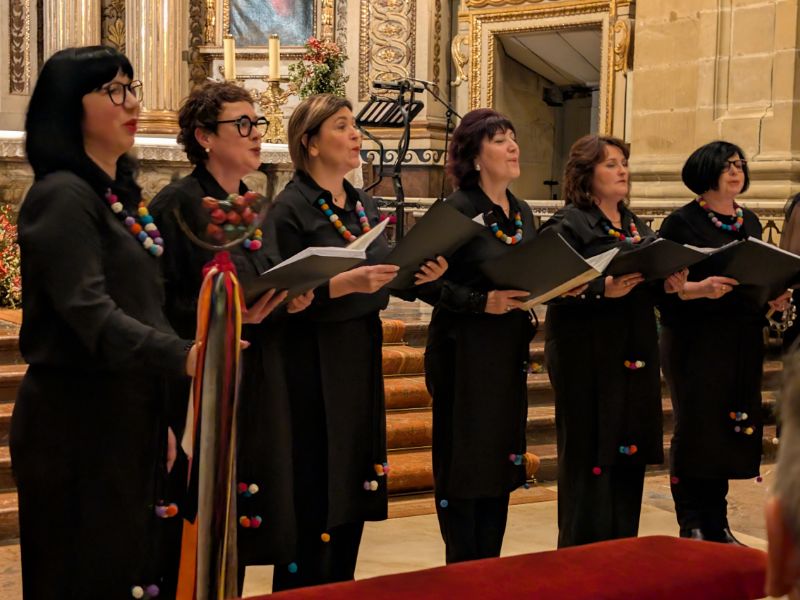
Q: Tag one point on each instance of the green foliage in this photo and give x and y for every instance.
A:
(320, 71)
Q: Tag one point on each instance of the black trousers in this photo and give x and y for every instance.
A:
(320, 562)
(472, 528)
(593, 508)
(700, 504)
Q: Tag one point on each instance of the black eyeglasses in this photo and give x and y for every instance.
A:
(245, 125)
(739, 163)
(118, 91)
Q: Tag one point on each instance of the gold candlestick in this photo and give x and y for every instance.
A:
(271, 101)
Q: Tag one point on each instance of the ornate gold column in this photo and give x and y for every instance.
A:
(156, 34)
(70, 23)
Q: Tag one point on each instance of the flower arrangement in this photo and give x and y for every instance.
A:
(320, 71)
(10, 279)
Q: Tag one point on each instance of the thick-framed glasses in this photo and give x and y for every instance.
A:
(245, 125)
(118, 91)
(739, 163)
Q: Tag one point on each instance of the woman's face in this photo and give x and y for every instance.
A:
(337, 145)
(498, 158)
(610, 177)
(227, 148)
(109, 128)
(731, 181)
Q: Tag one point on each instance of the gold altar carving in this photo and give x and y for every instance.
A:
(199, 26)
(112, 28)
(459, 60)
(386, 42)
(492, 3)
(19, 47)
(622, 45)
(437, 41)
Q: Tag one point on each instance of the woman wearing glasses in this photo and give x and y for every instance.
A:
(221, 135)
(89, 433)
(712, 349)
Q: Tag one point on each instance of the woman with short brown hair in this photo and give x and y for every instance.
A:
(601, 352)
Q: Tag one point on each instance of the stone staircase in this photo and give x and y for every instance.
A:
(408, 404)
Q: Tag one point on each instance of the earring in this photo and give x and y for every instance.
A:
(208, 150)
(477, 167)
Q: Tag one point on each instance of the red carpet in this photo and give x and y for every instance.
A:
(633, 569)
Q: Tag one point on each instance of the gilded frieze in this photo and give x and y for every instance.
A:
(198, 30)
(386, 42)
(19, 63)
(112, 27)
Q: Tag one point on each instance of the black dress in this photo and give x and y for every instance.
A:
(88, 434)
(603, 408)
(332, 353)
(264, 453)
(713, 359)
(476, 367)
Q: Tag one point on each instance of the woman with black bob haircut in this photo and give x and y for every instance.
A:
(601, 351)
(713, 349)
(476, 359)
(88, 433)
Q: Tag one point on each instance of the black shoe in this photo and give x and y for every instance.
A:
(693, 534)
(728, 538)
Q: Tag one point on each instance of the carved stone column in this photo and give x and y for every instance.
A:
(156, 34)
(70, 23)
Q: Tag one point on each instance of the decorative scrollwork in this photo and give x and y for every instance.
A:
(485, 3)
(621, 45)
(388, 29)
(198, 30)
(341, 23)
(210, 28)
(437, 41)
(459, 59)
(112, 28)
(19, 63)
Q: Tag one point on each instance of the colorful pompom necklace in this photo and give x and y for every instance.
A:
(634, 238)
(337, 222)
(505, 238)
(736, 226)
(141, 227)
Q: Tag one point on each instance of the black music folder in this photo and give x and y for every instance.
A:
(304, 271)
(441, 231)
(751, 262)
(655, 260)
(546, 267)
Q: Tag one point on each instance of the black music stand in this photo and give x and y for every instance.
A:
(393, 113)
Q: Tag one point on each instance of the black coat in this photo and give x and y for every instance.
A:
(264, 454)
(601, 405)
(88, 432)
(713, 353)
(476, 366)
(332, 353)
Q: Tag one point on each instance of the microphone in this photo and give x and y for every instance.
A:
(424, 82)
(401, 84)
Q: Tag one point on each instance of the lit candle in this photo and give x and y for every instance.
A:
(274, 56)
(229, 57)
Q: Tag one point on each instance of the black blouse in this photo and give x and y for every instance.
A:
(296, 222)
(690, 224)
(464, 288)
(585, 229)
(183, 264)
(91, 295)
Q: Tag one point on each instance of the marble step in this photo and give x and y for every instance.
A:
(414, 428)
(10, 377)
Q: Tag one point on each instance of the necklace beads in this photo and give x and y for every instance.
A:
(141, 225)
(509, 239)
(337, 222)
(735, 226)
(634, 238)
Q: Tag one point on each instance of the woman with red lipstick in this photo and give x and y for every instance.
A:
(221, 135)
(89, 430)
(713, 349)
(477, 352)
(332, 350)
(601, 351)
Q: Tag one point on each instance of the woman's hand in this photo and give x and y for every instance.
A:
(781, 303)
(674, 283)
(263, 306)
(300, 303)
(431, 270)
(577, 291)
(365, 280)
(617, 287)
(191, 361)
(713, 287)
(499, 302)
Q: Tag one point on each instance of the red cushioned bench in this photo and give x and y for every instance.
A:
(646, 568)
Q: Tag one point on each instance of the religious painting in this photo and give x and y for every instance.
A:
(253, 21)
